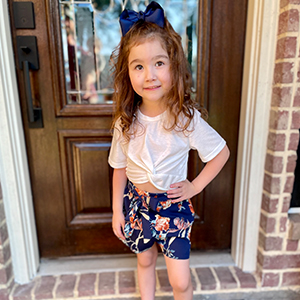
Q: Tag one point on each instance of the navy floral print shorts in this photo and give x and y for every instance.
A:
(151, 217)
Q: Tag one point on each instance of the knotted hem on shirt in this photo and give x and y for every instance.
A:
(156, 215)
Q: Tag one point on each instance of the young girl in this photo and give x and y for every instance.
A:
(155, 126)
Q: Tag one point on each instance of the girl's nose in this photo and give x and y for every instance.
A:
(150, 74)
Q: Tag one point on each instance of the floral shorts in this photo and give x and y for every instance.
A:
(151, 217)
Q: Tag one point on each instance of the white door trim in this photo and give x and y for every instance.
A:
(15, 182)
(261, 39)
(259, 63)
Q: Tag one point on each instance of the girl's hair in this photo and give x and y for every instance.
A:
(179, 98)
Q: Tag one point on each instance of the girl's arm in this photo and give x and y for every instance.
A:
(186, 189)
(119, 183)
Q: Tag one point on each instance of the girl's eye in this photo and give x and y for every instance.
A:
(159, 63)
(139, 67)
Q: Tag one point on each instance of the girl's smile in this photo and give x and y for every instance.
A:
(149, 71)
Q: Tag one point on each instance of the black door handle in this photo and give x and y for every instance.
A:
(34, 113)
(28, 59)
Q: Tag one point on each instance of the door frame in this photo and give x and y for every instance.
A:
(14, 170)
(261, 33)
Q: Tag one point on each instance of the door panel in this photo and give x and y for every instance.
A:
(86, 176)
(70, 176)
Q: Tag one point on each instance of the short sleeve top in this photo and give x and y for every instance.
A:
(160, 156)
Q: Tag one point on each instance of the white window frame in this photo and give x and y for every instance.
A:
(294, 210)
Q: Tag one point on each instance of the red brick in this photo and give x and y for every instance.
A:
(270, 243)
(126, 282)
(292, 245)
(23, 292)
(279, 120)
(291, 163)
(288, 21)
(267, 223)
(86, 286)
(278, 262)
(4, 294)
(295, 119)
(286, 204)
(290, 278)
(206, 278)
(44, 287)
(289, 183)
(286, 47)
(273, 243)
(274, 164)
(6, 274)
(164, 280)
(5, 254)
(66, 286)
(270, 280)
(283, 72)
(247, 280)
(294, 141)
(283, 221)
(272, 184)
(297, 98)
(226, 279)
(281, 97)
(107, 283)
(269, 205)
(3, 234)
(276, 141)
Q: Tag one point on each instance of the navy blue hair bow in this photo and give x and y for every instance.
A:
(153, 14)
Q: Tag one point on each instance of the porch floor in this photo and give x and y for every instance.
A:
(214, 277)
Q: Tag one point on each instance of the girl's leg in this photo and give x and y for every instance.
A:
(146, 262)
(180, 278)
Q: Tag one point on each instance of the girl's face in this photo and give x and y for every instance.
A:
(149, 70)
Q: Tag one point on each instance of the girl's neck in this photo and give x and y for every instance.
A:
(152, 109)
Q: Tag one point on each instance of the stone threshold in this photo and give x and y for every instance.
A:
(123, 262)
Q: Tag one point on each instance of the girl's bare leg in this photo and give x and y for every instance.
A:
(146, 262)
(180, 278)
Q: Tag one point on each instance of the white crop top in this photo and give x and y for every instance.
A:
(160, 156)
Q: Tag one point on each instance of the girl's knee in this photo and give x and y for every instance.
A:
(180, 284)
(147, 258)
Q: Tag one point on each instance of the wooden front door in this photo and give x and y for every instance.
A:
(68, 150)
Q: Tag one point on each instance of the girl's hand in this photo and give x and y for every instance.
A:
(118, 223)
(182, 191)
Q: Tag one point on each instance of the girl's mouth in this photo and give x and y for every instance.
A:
(152, 87)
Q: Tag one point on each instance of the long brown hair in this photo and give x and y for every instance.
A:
(179, 98)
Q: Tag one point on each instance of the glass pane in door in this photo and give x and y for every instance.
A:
(90, 31)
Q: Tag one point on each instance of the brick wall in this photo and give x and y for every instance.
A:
(6, 272)
(278, 256)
